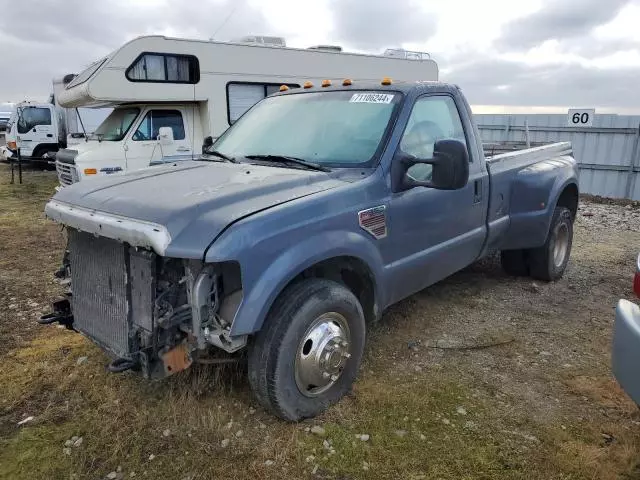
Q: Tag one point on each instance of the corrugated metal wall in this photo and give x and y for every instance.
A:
(608, 152)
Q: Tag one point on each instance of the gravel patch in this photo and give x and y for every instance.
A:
(596, 216)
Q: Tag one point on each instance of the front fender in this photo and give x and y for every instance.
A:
(261, 286)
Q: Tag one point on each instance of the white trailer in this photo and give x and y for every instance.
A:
(198, 88)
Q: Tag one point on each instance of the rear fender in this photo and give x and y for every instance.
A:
(534, 195)
(262, 287)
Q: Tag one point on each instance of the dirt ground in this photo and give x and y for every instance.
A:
(480, 376)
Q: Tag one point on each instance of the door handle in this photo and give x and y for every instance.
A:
(49, 135)
(477, 191)
(183, 149)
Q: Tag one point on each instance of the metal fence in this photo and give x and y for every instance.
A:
(608, 151)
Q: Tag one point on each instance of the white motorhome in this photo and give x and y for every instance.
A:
(198, 88)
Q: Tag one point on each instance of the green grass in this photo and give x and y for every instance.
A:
(122, 419)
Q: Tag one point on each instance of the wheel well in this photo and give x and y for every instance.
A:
(42, 149)
(569, 199)
(354, 274)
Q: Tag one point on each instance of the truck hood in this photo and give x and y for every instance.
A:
(84, 147)
(179, 209)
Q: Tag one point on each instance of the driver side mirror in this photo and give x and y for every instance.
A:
(165, 135)
(450, 167)
(208, 141)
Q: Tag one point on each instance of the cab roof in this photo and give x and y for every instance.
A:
(403, 87)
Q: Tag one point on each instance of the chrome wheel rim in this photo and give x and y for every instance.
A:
(322, 354)
(561, 245)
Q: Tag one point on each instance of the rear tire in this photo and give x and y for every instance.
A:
(549, 261)
(514, 262)
(313, 319)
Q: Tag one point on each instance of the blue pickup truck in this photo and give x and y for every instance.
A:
(317, 210)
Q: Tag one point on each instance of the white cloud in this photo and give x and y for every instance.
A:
(531, 52)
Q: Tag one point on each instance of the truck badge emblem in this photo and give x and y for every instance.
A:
(374, 221)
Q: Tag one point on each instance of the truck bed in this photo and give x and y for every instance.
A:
(558, 148)
(520, 182)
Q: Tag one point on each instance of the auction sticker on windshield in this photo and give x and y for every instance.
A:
(371, 98)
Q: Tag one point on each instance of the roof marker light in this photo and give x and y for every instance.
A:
(386, 81)
(283, 88)
(347, 82)
(326, 83)
(308, 85)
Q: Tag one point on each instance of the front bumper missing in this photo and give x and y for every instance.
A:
(61, 314)
(173, 360)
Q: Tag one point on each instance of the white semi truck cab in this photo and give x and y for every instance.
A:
(38, 129)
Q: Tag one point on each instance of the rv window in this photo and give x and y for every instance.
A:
(242, 96)
(154, 119)
(29, 117)
(161, 67)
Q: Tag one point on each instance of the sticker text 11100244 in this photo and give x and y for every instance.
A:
(371, 98)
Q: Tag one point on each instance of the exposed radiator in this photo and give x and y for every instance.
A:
(100, 300)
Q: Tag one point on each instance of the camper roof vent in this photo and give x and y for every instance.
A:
(264, 40)
(406, 54)
(327, 48)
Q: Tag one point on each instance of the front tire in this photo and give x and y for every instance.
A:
(549, 261)
(307, 354)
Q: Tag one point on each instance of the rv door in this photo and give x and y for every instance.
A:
(143, 147)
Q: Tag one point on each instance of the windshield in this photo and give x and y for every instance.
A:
(339, 128)
(31, 117)
(117, 124)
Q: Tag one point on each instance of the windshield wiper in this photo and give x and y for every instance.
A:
(221, 155)
(286, 159)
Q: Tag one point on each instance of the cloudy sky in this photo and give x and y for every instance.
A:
(515, 55)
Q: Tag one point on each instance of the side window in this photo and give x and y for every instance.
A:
(242, 96)
(432, 118)
(154, 119)
(163, 67)
(30, 117)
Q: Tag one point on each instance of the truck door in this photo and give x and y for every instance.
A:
(433, 233)
(35, 127)
(142, 148)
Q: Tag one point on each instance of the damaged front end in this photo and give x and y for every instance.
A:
(153, 314)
